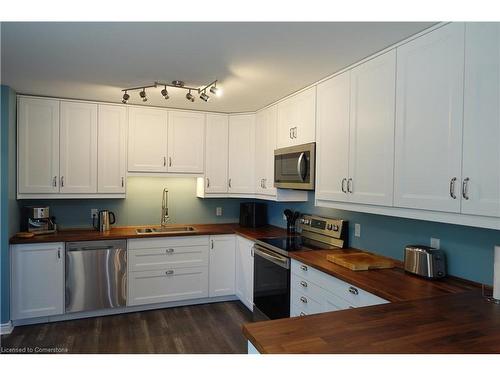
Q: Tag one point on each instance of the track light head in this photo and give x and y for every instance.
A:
(190, 96)
(142, 94)
(164, 92)
(126, 97)
(216, 90)
(204, 96)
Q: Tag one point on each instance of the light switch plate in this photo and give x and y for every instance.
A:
(357, 230)
(218, 211)
(435, 243)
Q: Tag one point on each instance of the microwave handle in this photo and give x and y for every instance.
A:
(302, 175)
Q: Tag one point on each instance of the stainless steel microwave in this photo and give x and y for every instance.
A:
(294, 167)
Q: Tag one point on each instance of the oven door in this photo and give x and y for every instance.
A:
(271, 291)
(294, 167)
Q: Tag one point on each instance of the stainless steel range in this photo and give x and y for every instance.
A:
(271, 295)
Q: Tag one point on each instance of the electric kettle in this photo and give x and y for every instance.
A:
(104, 220)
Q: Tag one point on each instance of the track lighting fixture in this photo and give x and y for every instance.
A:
(164, 93)
(201, 91)
(142, 94)
(126, 97)
(204, 97)
(190, 96)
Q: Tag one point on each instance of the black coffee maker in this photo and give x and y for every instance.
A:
(291, 220)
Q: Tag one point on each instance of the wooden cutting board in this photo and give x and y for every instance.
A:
(361, 261)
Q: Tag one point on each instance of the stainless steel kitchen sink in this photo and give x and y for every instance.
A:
(166, 229)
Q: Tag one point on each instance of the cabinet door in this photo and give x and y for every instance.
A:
(112, 148)
(244, 271)
(429, 106)
(222, 266)
(216, 154)
(78, 148)
(371, 139)
(38, 150)
(147, 140)
(265, 143)
(481, 150)
(332, 145)
(186, 142)
(37, 280)
(297, 119)
(241, 154)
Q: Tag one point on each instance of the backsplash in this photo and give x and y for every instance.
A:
(143, 205)
(469, 250)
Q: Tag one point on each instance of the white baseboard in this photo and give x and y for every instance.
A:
(6, 328)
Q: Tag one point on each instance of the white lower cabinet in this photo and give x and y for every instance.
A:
(167, 269)
(37, 280)
(313, 292)
(244, 271)
(222, 266)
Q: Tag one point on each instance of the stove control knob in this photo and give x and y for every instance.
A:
(329, 226)
(336, 228)
(306, 221)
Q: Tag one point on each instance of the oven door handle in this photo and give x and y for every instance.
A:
(302, 175)
(272, 257)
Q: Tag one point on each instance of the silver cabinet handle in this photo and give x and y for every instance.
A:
(303, 267)
(169, 161)
(303, 299)
(465, 188)
(349, 185)
(290, 133)
(344, 180)
(169, 251)
(265, 183)
(169, 272)
(54, 181)
(123, 183)
(252, 252)
(353, 290)
(208, 182)
(58, 253)
(62, 181)
(294, 132)
(452, 188)
(212, 244)
(164, 161)
(304, 284)
(229, 183)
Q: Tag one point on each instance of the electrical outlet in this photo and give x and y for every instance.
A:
(435, 243)
(94, 212)
(357, 230)
(218, 211)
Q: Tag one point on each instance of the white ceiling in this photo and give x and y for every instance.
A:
(256, 63)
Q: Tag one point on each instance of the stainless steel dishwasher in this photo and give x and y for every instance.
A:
(96, 275)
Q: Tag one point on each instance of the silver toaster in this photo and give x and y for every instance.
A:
(425, 261)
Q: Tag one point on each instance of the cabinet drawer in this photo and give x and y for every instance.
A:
(167, 257)
(167, 285)
(305, 287)
(165, 242)
(305, 303)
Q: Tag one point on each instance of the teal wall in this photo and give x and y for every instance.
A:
(469, 250)
(9, 212)
(143, 205)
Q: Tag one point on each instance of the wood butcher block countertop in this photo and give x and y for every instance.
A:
(71, 235)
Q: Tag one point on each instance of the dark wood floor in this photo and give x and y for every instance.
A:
(208, 328)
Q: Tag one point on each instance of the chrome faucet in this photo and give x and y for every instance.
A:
(164, 208)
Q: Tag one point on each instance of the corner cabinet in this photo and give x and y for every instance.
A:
(222, 263)
(244, 271)
(216, 153)
(297, 119)
(147, 140)
(37, 280)
(429, 108)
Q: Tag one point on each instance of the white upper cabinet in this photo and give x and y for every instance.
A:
(297, 119)
(216, 153)
(186, 141)
(147, 140)
(112, 149)
(78, 148)
(429, 107)
(265, 143)
(481, 137)
(38, 145)
(371, 136)
(241, 154)
(332, 145)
